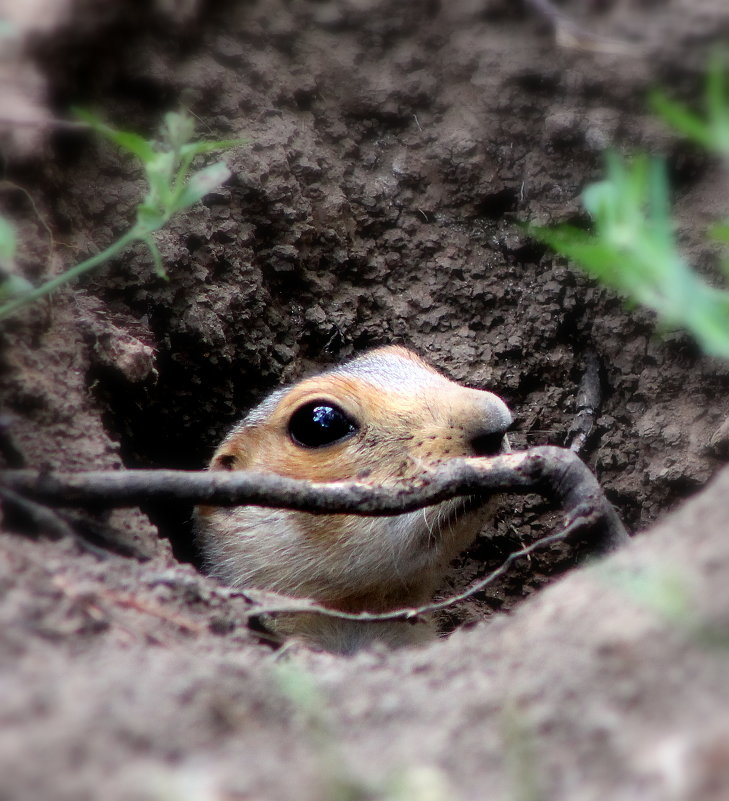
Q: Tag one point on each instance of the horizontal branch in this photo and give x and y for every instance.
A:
(556, 473)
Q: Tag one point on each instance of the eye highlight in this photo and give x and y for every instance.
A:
(320, 423)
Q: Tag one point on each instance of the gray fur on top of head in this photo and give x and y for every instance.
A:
(400, 371)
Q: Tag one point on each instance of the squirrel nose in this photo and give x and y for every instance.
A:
(486, 428)
(490, 444)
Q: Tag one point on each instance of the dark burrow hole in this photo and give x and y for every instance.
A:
(169, 425)
(495, 205)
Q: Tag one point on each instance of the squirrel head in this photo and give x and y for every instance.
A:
(385, 416)
(382, 416)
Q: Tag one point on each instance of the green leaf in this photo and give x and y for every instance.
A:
(178, 129)
(7, 242)
(595, 257)
(681, 119)
(720, 232)
(14, 286)
(160, 168)
(634, 251)
(203, 182)
(717, 103)
(149, 218)
(161, 192)
(131, 142)
(710, 130)
(169, 190)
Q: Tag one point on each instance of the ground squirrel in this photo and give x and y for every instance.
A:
(383, 416)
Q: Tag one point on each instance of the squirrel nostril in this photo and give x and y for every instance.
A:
(485, 419)
(488, 444)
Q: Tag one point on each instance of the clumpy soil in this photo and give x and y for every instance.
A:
(393, 149)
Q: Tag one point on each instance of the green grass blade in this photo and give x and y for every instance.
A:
(716, 103)
(681, 119)
(720, 232)
(633, 250)
(131, 142)
(48, 287)
(169, 190)
(7, 242)
(156, 257)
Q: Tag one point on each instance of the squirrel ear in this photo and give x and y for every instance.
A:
(224, 461)
(231, 456)
(235, 451)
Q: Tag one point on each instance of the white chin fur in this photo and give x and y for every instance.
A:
(401, 550)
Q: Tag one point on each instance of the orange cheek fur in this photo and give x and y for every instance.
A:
(335, 463)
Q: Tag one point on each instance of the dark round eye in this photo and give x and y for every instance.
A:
(320, 423)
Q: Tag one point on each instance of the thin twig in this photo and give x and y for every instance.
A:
(132, 487)
(556, 473)
(587, 404)
(288, 605)
(147, 607)
(516, 472)
(9, 449)
(47, 520)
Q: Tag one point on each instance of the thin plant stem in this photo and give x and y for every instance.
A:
(116, 247)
